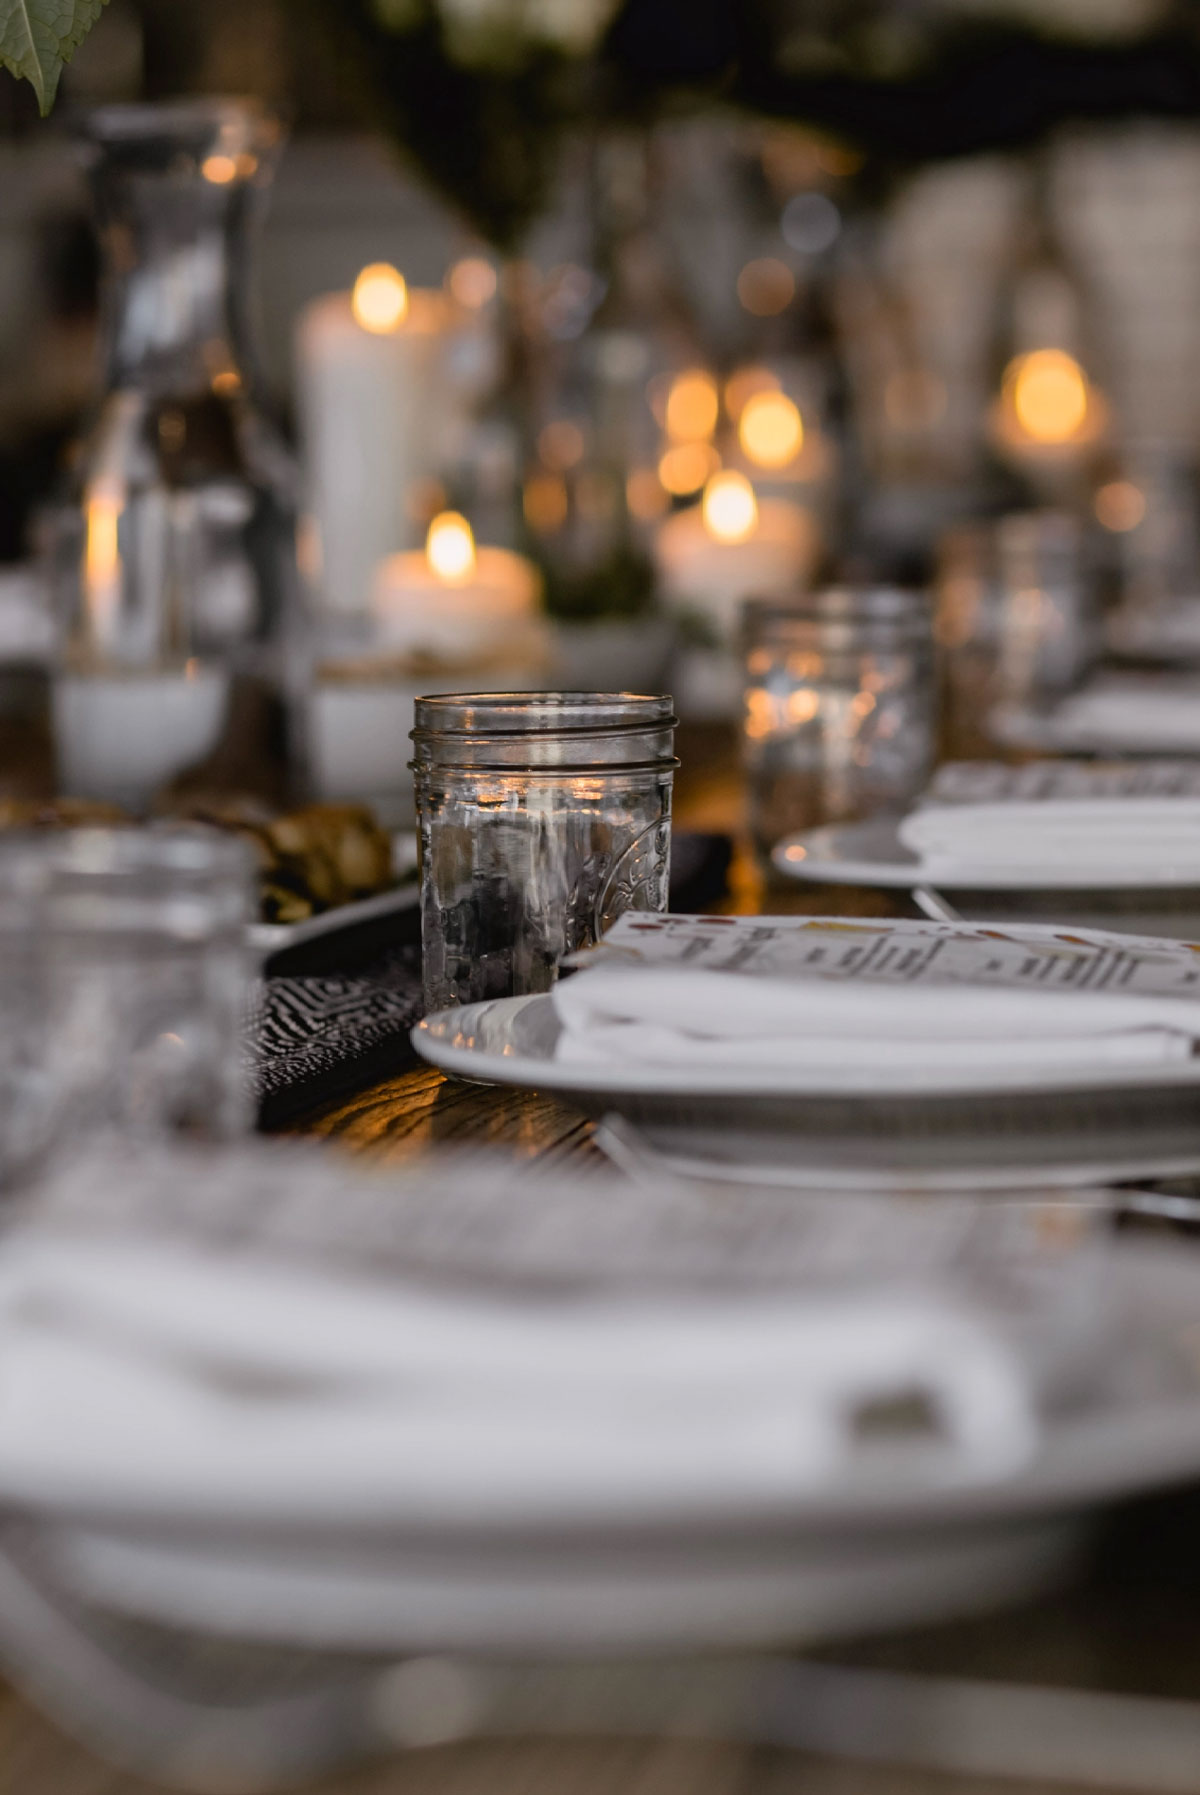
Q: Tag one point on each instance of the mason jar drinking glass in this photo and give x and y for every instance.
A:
(840, 706)
(126, 969)
(543, 817)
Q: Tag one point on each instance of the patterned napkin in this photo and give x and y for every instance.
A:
(334, 1017)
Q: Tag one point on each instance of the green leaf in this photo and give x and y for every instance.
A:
(38, 36)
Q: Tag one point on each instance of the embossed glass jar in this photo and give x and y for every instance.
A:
(543, 817)
(840, 707)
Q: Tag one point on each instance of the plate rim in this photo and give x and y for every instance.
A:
(525, 1072)
(906, 875)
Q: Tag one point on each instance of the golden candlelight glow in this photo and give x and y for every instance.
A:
(220, 170)
(693, 407)
(1049, 395)
(771, 430)
(685, 468)
(450, 548)
(545, 503)
(380, 298)
(745, 384)
(103, 504)
(766, 287)
(472, 282)
(729, 507)
(1120, 506)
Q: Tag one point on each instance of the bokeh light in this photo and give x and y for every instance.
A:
(729, 506)
(1049, 395)
(472, 282)
(693, 407)
(380, 298)
(1120, 506)
(685, 468)
(545, 503)
(771, 430)
(766, 287)
(220, 170)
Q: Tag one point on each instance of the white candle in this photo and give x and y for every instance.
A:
(711, 557)
(359, 724)
(446, 618)
(122, 736)
(732, 547)
(369, 368)
(456, 603)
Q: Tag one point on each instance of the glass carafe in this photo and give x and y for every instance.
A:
(174, 562)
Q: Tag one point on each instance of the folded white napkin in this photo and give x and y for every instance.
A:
(1132, 713)
(143, 1377)
(891, 999)
(1094, 837)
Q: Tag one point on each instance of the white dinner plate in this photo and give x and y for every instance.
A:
(512, 1040)
(871, 853)
(859, 1553)
(812, 1130)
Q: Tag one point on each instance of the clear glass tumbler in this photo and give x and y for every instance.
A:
(840, 706)
(543, 817)
(129, 949)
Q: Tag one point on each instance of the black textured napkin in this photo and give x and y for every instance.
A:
(333, 1015)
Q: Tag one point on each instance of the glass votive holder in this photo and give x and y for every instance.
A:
(1048, 628)
(543, 816)
(840, 706)
(136, 972)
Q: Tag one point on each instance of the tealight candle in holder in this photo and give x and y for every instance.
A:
(450, 616)
(455, 602)
(711, 557)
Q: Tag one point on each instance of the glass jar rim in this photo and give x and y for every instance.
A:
(91, 851)
(543, 715)
(844, 604)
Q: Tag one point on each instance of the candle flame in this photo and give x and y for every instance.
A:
(729, 507)
(450, 548)
(771, 430)
(103, 504)
(1049, 395)
(380, 299)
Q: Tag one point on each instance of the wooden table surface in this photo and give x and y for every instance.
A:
(1133, 1624)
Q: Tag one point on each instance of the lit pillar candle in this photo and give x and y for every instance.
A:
(369, 366)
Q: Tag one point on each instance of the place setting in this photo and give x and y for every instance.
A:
(599, 898)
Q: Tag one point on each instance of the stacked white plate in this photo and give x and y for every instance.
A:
(484, 1410)
(1012, 1094)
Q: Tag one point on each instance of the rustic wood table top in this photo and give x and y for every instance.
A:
(1131, 1624)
